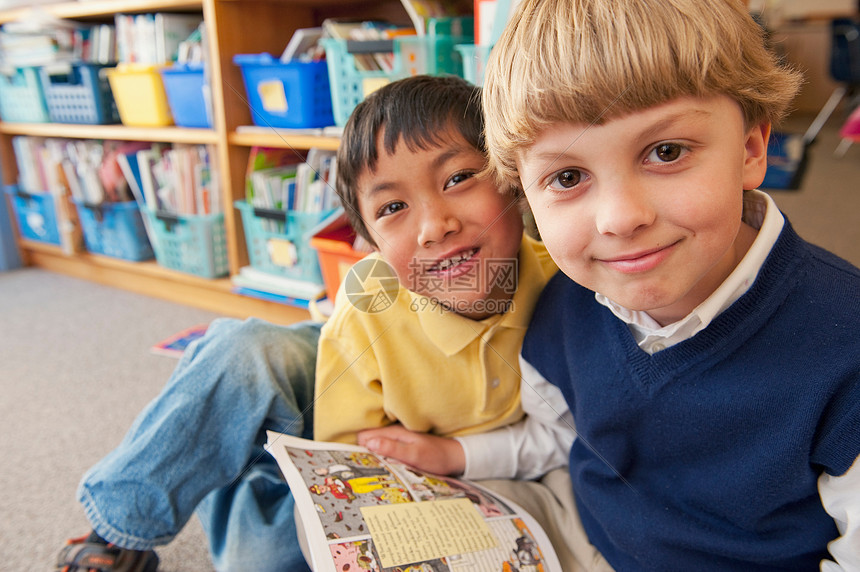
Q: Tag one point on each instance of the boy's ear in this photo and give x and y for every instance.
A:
(755, 155)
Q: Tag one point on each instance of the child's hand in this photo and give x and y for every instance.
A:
(425, 452)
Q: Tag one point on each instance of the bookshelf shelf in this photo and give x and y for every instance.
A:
(232, 27)
(172, 134)
(95, 9)
(276, 139)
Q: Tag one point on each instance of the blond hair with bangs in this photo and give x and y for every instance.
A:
(589, 61)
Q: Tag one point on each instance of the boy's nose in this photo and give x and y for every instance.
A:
(436, 225)
(623, 209)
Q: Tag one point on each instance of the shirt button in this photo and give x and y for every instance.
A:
(495, 383)
(658, 348)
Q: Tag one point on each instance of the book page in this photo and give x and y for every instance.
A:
(368, 513)
(414, 532)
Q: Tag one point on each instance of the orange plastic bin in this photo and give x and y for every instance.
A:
(336, 255)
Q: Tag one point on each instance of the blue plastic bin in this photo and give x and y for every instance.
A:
(279, 241)
(22, 99)
(787, 155)
(9, 257)
(115, 229)
(36, 215)
(194, 244)
(187, 94)
(289, 95)
(78, 93)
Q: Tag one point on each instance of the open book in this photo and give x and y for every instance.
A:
(362, 512)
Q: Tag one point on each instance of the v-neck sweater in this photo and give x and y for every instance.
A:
(706, 455)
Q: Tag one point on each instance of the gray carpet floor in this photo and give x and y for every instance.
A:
(75, 369)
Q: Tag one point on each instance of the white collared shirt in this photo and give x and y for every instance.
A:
(540, 442)
(761, 213)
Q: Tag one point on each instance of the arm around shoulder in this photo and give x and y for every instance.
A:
(528, 449)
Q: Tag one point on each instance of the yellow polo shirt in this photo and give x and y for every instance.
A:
(427, 368)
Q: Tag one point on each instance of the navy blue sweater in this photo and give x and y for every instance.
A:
(706, 455)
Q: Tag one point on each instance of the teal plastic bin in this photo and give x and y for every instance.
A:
(22, 99)
(474, 61)
(279, 241)
(434, 54)
(194, 244)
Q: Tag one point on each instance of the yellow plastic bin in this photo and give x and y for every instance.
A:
(140, 96)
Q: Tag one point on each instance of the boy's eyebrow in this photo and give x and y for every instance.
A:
(446, 156)
(437, 163)
(377, 188)
(673, 119)
(649, 132)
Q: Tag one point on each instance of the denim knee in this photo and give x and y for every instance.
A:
(259, 338)
(270, 360)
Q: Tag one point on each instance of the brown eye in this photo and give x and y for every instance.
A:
(668, 152)
(569, 178)
(391, 208)
(459, 178)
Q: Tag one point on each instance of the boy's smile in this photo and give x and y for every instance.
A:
(441, 228)
(646, 208)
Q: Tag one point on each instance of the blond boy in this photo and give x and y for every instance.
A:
(709, 356)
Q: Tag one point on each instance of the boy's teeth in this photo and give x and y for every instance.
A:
(455, 260)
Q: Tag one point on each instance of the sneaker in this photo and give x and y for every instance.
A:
(94, 554)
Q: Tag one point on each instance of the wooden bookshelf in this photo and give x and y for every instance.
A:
(233, 27)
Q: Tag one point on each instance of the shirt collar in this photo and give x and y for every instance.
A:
(761, 213)
(451, 332)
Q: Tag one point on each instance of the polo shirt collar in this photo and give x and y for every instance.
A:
(451, 333)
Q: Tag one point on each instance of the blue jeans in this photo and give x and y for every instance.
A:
(199, 445)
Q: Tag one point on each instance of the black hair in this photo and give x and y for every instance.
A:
(417, 110)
